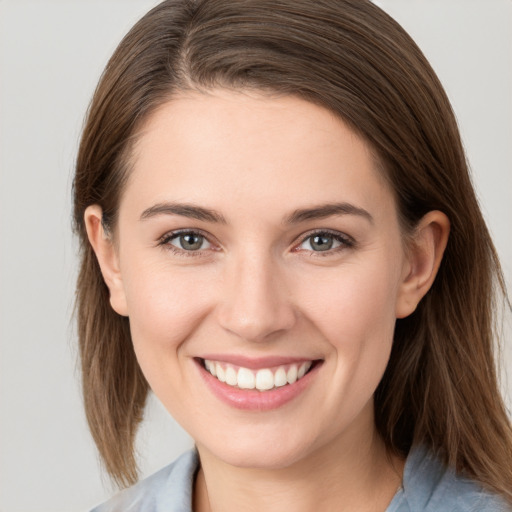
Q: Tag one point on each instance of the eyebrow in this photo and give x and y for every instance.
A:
(327, 210)
(301, 215)
(184, 210)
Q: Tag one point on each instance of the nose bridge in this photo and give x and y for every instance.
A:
(255, 304)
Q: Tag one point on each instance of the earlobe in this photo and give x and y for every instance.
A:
(108, 260)
(422, 262)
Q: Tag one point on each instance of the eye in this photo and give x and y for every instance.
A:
(189, 241)
(325, 241)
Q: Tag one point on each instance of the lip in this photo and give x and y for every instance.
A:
(254, 400)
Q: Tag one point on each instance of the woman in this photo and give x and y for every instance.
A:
(281, 240)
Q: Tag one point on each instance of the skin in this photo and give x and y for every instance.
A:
(258, 288)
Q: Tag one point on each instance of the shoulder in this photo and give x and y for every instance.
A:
(429, 486)
(169, 489)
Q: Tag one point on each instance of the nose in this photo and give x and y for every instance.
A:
(255, 304)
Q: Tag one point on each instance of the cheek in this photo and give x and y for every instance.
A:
(354, 309)
(164, 308)
(355, 314)
(354, 306)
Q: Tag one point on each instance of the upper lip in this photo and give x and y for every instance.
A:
(255, 363)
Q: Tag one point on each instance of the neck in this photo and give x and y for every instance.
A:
(343, 475)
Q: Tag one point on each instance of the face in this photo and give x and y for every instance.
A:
(257, 241)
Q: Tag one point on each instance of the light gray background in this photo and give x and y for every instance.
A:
(51, 55)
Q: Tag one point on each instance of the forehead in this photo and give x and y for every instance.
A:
(242, 149)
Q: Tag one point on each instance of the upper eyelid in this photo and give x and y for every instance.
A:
(177, 232)
(334, 233)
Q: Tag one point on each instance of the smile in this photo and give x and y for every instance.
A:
(259, 385)
(263, 379)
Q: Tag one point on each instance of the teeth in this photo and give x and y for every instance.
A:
(231, 377)
(262, 380)
(245, 379)
(280, 378)
(291, 375)
(221, 374)
(210, 367)
(304, 367)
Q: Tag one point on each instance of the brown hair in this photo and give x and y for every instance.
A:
(440, 386)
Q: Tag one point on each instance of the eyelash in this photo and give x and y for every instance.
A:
(345, 241)
(165, 242)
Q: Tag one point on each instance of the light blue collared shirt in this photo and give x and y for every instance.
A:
(428, 486)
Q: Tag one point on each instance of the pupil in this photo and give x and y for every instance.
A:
(321, 243)
(191, 242)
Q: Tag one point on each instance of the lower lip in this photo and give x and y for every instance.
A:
(254, 400)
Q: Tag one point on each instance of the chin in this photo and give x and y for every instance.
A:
(262, 452)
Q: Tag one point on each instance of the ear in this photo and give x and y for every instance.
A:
(106, 252)
(423, 259)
